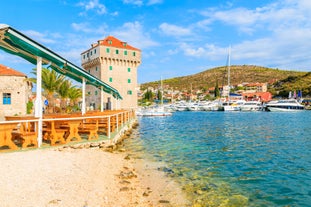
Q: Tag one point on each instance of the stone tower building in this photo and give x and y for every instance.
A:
(115, 63)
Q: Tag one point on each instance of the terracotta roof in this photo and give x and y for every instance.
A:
(111, 41)
(7, 71)
(255, 84)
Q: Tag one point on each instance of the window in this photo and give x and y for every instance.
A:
(96, 68)
(107, 50)
(134, 54)
(117, 51)
(128, 80)
(84, 56)
(128, 69)
(110, 42)
(94, 51)
(96, 93)
(129, 92)
(91, 52)
(6, 99)
(125, 52)
(89, 93)
(110, 79)
(110, 67)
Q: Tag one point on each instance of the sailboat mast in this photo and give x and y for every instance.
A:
(229, 59)
(161, 91)
(229, 64)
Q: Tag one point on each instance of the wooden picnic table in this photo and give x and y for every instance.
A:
(6, 135)
(27, 130)
(73, 130)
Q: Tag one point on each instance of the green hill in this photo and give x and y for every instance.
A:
(280, 81)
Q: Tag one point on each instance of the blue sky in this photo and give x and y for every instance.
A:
(177, 37)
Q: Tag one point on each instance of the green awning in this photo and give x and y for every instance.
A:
(16, 43)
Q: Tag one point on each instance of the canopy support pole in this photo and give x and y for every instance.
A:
(83, 96)
(38, 103)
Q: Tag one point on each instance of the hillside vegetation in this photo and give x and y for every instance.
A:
(280, 81)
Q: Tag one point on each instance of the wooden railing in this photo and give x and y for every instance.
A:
(21, 131)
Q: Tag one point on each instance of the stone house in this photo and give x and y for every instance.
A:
(15, 91)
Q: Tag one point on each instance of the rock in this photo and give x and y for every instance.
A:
(55, 201)
(199, 192)
(125, 182)
(127, 157)
(94, 145)
(122, 150)
(124, 189)
(127, 175)
(102, 145)
(164, 201)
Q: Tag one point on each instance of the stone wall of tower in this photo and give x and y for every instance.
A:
(116, 67)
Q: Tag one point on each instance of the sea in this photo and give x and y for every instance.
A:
(232, 158)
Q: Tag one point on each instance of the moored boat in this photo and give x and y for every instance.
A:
(252, 106)
(285, 105)
(156, 111)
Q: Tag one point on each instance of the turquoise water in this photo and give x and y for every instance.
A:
(235, 158)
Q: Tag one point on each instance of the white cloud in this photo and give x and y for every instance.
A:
(93, 5)
(39, 37)
(135, 2)
(173, 30)
(151, 2)
(132, 32)
(87, 28)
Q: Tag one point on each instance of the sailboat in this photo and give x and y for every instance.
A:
(157, 110)
(231, 105)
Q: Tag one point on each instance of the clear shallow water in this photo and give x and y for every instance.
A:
(233, 159)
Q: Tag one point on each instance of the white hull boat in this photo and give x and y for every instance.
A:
(285, 105)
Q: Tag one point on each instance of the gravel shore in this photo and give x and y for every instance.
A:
(92, 177)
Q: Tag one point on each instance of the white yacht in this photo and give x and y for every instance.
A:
(285, 105)
(252, 106)
(234, 105)
(154, 111)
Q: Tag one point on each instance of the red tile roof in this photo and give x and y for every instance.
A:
(111, 41)
(7, 71)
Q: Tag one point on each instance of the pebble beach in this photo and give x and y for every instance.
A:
(84, 176)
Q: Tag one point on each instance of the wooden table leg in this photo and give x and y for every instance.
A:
(6, 135)
(73, 131)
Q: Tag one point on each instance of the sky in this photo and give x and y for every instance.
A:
(176, 37)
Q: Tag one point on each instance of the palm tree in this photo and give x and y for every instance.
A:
(51, 81)
(74, 94)
(63, 92)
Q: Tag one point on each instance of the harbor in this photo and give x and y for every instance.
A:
(224, 159)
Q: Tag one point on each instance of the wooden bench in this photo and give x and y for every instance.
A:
(6, 135)
(90, 126)
(28, 133)
(54, 133)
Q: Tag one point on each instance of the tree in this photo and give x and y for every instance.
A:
(216, 91)
(74, 95)
(51, 81)
(148, 96)
(63, 92)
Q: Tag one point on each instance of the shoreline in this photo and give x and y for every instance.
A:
(91, 175)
